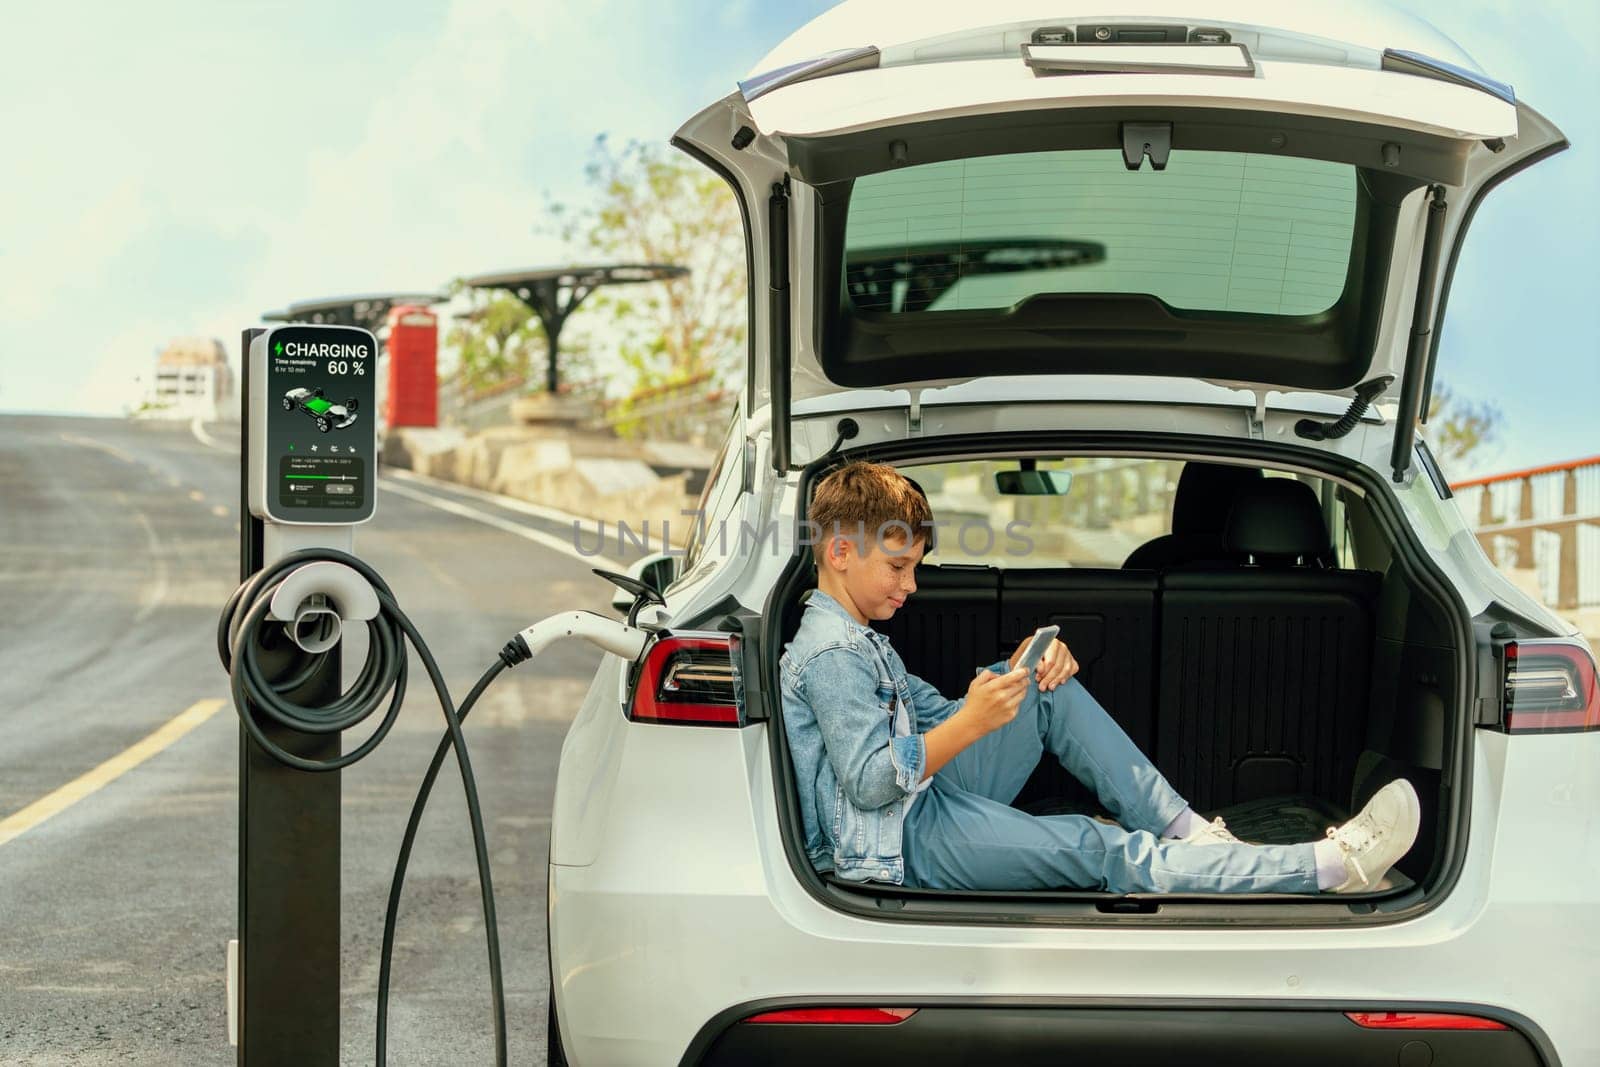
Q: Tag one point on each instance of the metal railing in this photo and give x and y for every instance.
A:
(1543, 518)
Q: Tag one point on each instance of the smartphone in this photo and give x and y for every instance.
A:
(1036, 648)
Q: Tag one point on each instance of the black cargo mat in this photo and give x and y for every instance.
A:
(1285, 820)
(1289, 820)
(1282, 820)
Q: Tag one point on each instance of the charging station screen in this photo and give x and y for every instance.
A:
(320, 432)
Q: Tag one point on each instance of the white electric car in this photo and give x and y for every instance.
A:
(1167, 258)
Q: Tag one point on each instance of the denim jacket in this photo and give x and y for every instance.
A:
(842, 684)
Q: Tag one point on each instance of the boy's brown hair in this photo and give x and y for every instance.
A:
(868, 503)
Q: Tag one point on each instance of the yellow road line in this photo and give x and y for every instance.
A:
(99, 446)
(14, 826)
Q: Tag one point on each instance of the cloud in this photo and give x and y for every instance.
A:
(187, 171)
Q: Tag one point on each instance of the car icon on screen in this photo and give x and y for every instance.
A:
(326, 414)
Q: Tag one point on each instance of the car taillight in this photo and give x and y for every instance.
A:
(1421, 1020)
(868, 1016)
(688, 679)
(1550, 686)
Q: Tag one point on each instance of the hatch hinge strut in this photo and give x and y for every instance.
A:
(1258, 417)
(1412, 385)
(914, 413)
(778, 321)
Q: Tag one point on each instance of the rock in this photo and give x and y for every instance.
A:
(586, 473)
(612, 477)
(424, 450)
(544, 409)
(677, 454)
(520, 463)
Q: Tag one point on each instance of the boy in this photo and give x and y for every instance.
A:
(899, 784)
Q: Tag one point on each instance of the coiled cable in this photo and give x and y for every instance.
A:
(256, 697)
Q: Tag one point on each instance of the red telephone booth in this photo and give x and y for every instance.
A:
(413, 387)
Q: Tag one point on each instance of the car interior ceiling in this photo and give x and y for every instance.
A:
(1270, 685)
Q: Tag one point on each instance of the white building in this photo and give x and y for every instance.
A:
(192, 378)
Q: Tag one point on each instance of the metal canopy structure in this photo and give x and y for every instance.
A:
(553, 293)
(367, 311)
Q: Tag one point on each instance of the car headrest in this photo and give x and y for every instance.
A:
(1279, 519)
(1205, 495)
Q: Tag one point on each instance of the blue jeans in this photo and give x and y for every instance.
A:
(962, 832)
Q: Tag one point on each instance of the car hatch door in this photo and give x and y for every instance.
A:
(1422, 141)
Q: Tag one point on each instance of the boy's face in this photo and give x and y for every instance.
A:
(875, 585)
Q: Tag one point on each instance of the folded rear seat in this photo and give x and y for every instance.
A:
(1108, 620)
(949, 626)
(1265, 665)
(963, 616)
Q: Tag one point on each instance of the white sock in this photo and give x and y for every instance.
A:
(1330, 864)
(1186, 821)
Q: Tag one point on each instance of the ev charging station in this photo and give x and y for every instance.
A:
(309, 454)
(308, 478)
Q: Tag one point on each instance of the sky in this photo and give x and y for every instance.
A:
(176, 168)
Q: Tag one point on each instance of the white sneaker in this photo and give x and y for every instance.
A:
(1214, 832)
(1374, 840)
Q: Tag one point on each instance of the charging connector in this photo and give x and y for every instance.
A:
(617, 638)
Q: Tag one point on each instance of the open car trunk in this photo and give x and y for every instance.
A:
(1276, 208)
(1280, 697)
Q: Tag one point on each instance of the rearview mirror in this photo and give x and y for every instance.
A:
(1033, 483)
(657, 570)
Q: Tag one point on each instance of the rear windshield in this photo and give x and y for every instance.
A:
(1214, 231)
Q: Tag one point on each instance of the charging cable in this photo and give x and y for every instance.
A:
(311, 601)
(618, 638)
(239, 641)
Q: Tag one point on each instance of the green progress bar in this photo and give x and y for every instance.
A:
(309, 477)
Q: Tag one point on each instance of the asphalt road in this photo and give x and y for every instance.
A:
(118, 547)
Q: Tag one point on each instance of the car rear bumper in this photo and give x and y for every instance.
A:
(682, 914)
(1117, 1036)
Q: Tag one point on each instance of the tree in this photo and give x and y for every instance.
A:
(1456, 425)
(496, 341)
(652, 207)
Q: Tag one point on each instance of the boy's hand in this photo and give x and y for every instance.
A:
(1055, 666)
(993, 699)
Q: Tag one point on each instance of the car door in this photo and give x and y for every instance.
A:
(1254, 206)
